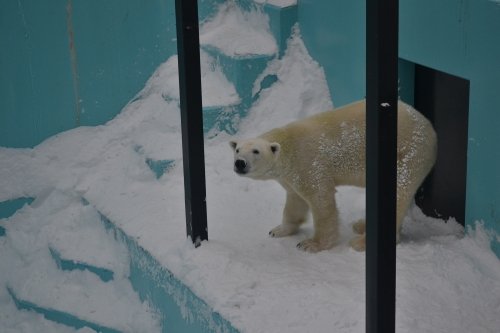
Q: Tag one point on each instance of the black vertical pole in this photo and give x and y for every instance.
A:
(188, 49)
(381, 171)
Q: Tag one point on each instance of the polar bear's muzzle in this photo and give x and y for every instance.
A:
(240, 166)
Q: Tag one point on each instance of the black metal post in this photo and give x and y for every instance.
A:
(381, 171)
(188, 49)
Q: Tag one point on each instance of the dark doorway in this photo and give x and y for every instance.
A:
(444, 100)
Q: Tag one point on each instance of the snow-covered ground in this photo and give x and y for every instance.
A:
(447, 280)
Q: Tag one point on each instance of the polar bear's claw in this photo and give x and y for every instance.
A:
(283, 230)
(311, 245)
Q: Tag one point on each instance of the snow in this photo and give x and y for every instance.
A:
(300, 90)
(447, 280)
(31, 273)
(238, 33)
(216, 89)
(278, 3)
(14, 321)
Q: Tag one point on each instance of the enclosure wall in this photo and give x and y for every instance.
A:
(68, 63)
(454, 36)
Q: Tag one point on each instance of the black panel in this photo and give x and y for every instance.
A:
(444, 100)
(381, 159)
(188, 47)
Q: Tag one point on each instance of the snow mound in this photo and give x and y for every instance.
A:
(216, 89)
(301, 90)
(238, 33)
(278, 3)
(29, 271)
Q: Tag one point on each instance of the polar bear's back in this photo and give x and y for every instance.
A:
(336, 139)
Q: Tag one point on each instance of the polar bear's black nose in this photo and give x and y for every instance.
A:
(240, 166)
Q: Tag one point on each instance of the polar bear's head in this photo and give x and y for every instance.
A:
(255, 158)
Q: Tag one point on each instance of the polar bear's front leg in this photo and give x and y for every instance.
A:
(325, 219)
(294, 214)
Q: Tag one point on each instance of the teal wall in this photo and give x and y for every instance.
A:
(334, 33)
(67, 63)
(459, 37)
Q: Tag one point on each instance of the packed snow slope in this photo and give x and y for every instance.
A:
(447, 280)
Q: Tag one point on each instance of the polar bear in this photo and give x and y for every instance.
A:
(310, 157)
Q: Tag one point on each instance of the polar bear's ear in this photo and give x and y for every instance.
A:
(275, 147)
(233, 144)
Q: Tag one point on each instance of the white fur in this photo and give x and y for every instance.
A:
(310, 157)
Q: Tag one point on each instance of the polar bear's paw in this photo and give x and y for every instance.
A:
(359, 227)
(283, 230)
(358, 243)
(313, 246)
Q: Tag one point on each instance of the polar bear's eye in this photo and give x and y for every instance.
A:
(256, 152)
(237, 151)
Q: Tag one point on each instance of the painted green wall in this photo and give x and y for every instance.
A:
(66, 63)
(459, 37)
(483, 183)
(334, 33)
